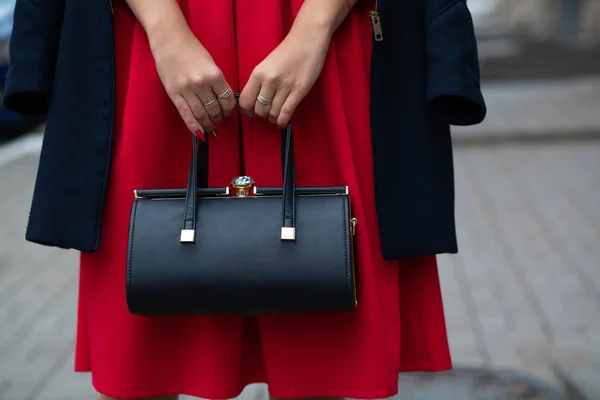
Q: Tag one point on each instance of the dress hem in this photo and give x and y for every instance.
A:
(355, 392)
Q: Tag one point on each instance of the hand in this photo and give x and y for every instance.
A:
(192, 80)
(286, 76)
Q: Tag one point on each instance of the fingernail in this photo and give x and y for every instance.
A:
(200, 135)
(214, 133)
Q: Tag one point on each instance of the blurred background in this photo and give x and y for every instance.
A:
(522, 298)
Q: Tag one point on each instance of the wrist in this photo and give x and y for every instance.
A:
(166, 30)
(314, 28)
(320, 19)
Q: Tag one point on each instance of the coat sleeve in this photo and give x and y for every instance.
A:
(453, 79)
(33, 51)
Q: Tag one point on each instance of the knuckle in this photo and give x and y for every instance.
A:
(200, 114)
(288, 83)
(282, 121)
(259, 73)
(245, 106)
(214, 75)
(185, 113)
(215, 116)
(227, 111)
(300, 86)
(174, 88)
(286, 111)
(273, 78)
(198, 80)
(205, 120)
(266, 76)
(183, 83)
(171, 90)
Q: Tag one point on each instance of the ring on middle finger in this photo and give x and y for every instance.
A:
(209, 100)
(263, 100)
(225, 94)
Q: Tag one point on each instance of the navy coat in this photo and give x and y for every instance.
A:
(425, 77)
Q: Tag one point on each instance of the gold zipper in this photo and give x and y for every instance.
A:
(376, 22)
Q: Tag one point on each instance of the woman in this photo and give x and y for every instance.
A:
(176, 67)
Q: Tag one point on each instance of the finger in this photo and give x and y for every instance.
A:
(212, 106)
(278, 102)
(262, 104)
(199, 111)
(225, 97)
(288, 108)
(248, 96)
(187, 115)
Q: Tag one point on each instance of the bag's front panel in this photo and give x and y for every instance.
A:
(238, 264)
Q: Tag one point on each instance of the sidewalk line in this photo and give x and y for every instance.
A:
(17, 148)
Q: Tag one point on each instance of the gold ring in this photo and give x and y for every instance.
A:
(263, 100)
(209, 101)
(225, 94)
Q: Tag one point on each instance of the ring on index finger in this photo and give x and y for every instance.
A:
(209, 100)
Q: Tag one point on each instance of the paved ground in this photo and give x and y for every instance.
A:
(524, 290)
(537, 111)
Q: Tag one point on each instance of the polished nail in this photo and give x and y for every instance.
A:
(200, 135)
(214, 133)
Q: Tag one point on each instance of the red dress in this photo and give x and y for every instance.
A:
(399, 324)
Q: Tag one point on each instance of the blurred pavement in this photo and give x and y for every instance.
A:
(523, 293)
(539, 110)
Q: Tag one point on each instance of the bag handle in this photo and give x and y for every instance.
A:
(288, 212)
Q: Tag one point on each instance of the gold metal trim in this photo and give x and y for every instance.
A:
(225, 193)
(353, 222)
(135, 195)
(242, 191)
(288, 233)
(187, 236)
(242, 185)
(353, 271)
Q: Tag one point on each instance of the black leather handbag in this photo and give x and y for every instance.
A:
(241, 250)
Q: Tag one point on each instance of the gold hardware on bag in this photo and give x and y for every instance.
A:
(242, 185)
(353, 223)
